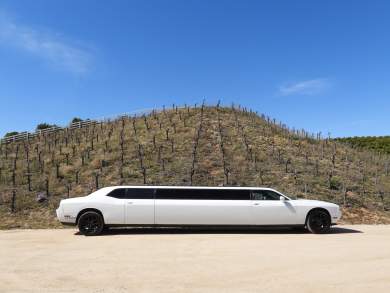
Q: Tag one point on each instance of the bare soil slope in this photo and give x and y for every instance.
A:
(210, 146)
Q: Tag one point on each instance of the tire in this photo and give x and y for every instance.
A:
(91, 223)
(318, 222)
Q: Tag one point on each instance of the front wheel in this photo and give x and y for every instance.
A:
(91, 223)
(318, 222)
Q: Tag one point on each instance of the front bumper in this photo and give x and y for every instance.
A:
(336, 216)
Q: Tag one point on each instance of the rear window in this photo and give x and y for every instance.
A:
(132, 193)
(118, 193)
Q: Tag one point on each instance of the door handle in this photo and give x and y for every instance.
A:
(129, 202)
(256, 204)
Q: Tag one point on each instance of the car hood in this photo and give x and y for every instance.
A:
(313, 202)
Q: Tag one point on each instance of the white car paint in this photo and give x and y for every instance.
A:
(117, 211)
(139, 211)
(202, 212)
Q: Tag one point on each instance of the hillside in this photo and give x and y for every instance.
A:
(192, 145)
(376, 143)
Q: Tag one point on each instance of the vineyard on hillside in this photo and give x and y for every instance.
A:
(376, 143)
(199, 145)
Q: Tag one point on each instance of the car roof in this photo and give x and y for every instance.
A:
(105, 190)
(191, 187)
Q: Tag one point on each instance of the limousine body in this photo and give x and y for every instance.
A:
(194, 206)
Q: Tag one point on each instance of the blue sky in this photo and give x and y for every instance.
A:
(318, 65)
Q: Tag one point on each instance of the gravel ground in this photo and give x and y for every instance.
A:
(350, 259)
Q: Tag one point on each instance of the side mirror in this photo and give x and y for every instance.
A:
(282, 198)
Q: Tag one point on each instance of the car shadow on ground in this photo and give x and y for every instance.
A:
(216, 230)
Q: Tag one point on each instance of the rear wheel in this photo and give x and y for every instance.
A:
(318, 222)
(91, 223)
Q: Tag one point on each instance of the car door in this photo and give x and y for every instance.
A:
(139, 206)
(202, 207)
(112, 206)
(269, 209)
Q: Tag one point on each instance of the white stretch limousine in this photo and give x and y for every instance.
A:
(194, 206)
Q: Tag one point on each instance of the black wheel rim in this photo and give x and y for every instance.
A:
(90, 224)
(319, 221)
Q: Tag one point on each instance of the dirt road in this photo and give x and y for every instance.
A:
(352, 259)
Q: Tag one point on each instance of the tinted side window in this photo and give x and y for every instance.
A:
(232, 194)
(170, 193)
(140, 193)
(205, 194)
(265, 195)
(118, 193)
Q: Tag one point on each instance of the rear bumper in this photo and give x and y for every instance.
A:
(68, 223)
(65, 219)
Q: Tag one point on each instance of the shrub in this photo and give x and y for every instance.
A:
(8, 134)
(76, 119)
(42, 126)
(335, 183)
